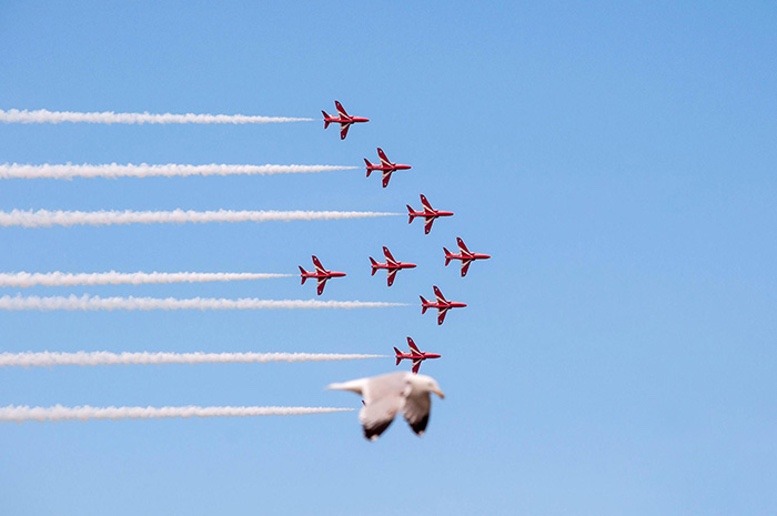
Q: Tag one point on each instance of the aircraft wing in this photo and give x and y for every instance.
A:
(416, 365)
(462, 245)
(426, 204)
(321, 285)
(317, 263)
(391, 275)
(441, 315)
(428, 225)
(465, 267)
(386, 177)
(438, 294)
(341, 109)
(383, 158)
(388, 255)
(344, 130)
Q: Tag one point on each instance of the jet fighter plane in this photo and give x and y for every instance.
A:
(386, 166)
(415, 354)
(391, 265)
(344, 119)
(320, 274)
(428, 213)
(466, 256)
(442, 305)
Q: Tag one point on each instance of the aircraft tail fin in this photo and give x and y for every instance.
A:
(447, 256)
(397, 353)
(369, 166)
(410, 214)
(303, 274)
(424, 304)
(326, 118)
(374, 265)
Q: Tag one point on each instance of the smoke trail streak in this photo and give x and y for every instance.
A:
(93, 303)
(114, 170)
(47, 218)
(99, 358)
(44, 116)
(65, 279)
(20, 413)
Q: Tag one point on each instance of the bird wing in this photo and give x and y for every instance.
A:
(416, 410)
(383, 397)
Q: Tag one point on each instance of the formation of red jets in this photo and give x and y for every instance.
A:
(391, 265)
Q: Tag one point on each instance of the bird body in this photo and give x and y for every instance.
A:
(385, 395)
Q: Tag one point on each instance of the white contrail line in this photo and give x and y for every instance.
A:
(93, 303)
(47, 218)
(66, 279)
(20, 413)
(44, 116)
(114, 170)
(99, 358)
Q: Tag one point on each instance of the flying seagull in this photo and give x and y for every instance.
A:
(385, 395)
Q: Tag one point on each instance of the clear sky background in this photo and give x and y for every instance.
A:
(618, 352)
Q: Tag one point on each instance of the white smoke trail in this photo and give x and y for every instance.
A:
(60, 413)
(65, 279)
(46, 218)
(44, 116)
(99, 358)
(114, 170)
(93, 303)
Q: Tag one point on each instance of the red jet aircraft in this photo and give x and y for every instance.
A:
(391, 265)
(428, 213)
(442, 305)
(415, 354)
(321, 274)
(344, 119)
(386, 166)
(466, 256)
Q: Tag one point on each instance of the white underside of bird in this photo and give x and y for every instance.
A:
(385, 395)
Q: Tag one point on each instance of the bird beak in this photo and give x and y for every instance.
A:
(439, 393)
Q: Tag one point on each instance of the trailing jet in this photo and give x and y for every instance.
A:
(415, 354)
(391, 265)
(386, 166)
(428, 213)
(442, 305)
(344, 119)
(320, 274)
(466, 256)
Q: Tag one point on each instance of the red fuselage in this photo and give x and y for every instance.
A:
(392, 167)
(394, 266)
(430, 214)
(327, 274)
(469, 256)
(422, 356)
(343, 120)
(442, 305)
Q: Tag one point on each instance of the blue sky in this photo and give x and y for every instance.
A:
(616, 160)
